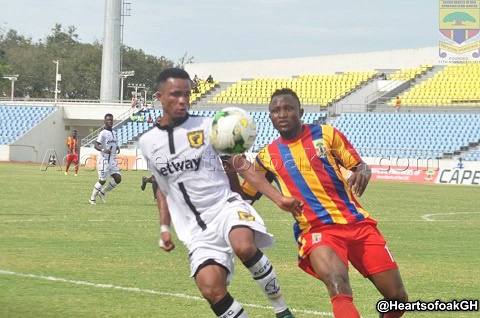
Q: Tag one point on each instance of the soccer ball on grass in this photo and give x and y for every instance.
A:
(233, 131)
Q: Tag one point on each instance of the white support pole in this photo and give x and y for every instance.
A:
(56, 80)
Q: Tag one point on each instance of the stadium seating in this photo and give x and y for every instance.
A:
(397, 135)
(311, 89)
(410, 135)
(129, 131)
(472, 154)
(203, 88)
(407, 74)
(17, 120)
(455, 85)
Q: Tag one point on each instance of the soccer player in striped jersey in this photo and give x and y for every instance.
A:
(107, 166)
(72, 156)
(211, 220)
(306, 162)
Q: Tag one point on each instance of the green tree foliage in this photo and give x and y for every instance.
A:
(146, 67)
(80, 65)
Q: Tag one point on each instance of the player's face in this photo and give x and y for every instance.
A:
(174, 95)
(286, 114)
(109, 122)
(74, 134)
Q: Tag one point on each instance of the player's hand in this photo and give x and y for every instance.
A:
(358, 181)
(292, 205)
(107, 151)
(165, 242)
(227, 165)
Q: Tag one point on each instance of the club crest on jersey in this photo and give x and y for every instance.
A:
(320, 148)
(196, 138)
(242, 215)
(316, 237)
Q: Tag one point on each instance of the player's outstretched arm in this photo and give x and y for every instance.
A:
(165, 242)
(233, 179)
(258, 181)
(358, 181)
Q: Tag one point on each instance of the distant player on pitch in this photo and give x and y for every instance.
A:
(107, 166)
(72, 156)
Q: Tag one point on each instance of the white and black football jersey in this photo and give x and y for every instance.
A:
(189, 172)
(108, 140)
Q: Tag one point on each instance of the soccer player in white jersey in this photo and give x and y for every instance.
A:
(107, 167)
(211, 220)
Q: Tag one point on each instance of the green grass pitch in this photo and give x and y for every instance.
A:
(62, 257)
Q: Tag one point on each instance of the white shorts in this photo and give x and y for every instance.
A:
(213, 243)
(105, 169)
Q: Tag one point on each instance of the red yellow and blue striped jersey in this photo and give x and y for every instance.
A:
(309, 168)
(72, 144)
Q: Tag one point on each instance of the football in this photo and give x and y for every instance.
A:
(233, 131)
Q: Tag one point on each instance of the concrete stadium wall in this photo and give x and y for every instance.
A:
(327, 64)
(34, 143)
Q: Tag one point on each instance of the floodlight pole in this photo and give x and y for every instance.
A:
(12, 79)
(136, 87)
(124, 75)
(56, 80)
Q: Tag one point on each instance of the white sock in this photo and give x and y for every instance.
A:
(229, 307)
(96, 188)
(264, 275)
(111, 185)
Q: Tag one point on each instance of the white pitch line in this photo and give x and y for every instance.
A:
(156, 220)
(147, 291)
(430, 217)
(66, 219)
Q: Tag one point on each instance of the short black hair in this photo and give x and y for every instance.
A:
(286, 91)
(172, 73)
(108, 115)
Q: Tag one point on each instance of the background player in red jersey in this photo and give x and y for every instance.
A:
(72, 156)
(306, 162)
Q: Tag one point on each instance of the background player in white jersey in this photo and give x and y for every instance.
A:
(212, 221)
(107, 167)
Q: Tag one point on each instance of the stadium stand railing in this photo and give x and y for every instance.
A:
(88, 140)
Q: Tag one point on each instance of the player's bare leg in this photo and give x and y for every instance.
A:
(260, 267)
(68, 165)
(390, 285)
(333, 272)
(211, 280)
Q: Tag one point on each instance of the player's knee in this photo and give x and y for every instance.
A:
(117, 180)
(102, 182)
(337, 284)
(213, 294)
(399, 294)
(245, 251)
